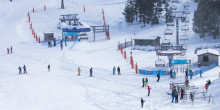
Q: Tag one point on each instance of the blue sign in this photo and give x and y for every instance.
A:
(70, 34)
(175, 62)
(76, 30)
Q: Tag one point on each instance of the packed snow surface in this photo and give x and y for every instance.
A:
(62, 88)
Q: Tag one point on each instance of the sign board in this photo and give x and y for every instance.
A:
(70, 34)
(176, 62)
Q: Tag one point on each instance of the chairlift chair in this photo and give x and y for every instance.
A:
(184, 37)
(186, 12)
(170, 24)
(185, 28)
(175, 1)
(166, 42)
(187, 4)
(173, 7)
(168, 32)
(160, 63)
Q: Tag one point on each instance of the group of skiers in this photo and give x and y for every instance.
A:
(172, 74)
(9, 50)
(118, 70)
(24, 70)
(145, 84)
(187, 73)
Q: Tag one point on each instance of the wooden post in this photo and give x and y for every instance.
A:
(124, 54)
(136, 68)
(33, 10)
(45, 7)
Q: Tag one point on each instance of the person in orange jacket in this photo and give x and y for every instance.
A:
(79, 71)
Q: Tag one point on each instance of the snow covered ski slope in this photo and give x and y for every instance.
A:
(62, 88)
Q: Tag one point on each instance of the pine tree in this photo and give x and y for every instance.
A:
(129, 12)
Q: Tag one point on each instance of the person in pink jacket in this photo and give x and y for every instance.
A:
(148, 88)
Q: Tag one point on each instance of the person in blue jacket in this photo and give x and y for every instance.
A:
(200, 72)
(114, 70)
(174, 75)
(172, 94)
(20, 71)
(191, 74)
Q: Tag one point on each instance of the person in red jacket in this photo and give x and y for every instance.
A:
(206, 87)
(181, 93)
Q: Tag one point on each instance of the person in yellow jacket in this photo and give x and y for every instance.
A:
(79, 71)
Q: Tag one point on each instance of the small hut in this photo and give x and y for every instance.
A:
(207, 57)
(147, 40)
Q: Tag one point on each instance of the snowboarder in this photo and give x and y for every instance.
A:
(142, 102)
(181, 93)
(176, 96)
(143, 82)
(172, 94)
(90, 72)
(186, 73)
(25, 71)
(158, 77)
(148, 88)
(20, 71)
(48, 68)
(118, 69)
(114, 70)
(8, 50)
(79, 71)
(206, 87)
(146, 82)
(11, 49)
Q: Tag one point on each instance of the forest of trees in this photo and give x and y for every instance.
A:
(146, 11)
(206, 18)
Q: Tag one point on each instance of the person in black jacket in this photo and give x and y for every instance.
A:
(143, 81)
(187, 74)
(142, 102)
(25, 70)
(118, 69)
(158, 77)
(48, 68)
(90, 72)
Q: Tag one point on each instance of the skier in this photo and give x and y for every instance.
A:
(146, 82)
(158, 77)
(114, 70)
(187, 82)
(181, 93)
(174, 75)
(54, 43)
(79, 71)
(176, 96)
(208, 82)
(65, 43)
(171, 73)
(61, 45)
(172, 94)
(148, 88)
(20, 71)
(90, 72)
(48, 68)
(200, 72)
(191, 74)
(142, 102)
(8, 50)
(187, 73)
(118, 69)
(192, 96)
(25, 71)
(206, 87)
(143, 82)
(11, 49)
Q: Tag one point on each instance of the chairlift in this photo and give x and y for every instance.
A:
(160, 63)
(166, 42)
(175, 1)
(168, 32)
(170, 24)
(173, 7)
(186, 12)
(185, 28)
(184, 37)
(185, 20)
(187, 4)
(184, 47)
